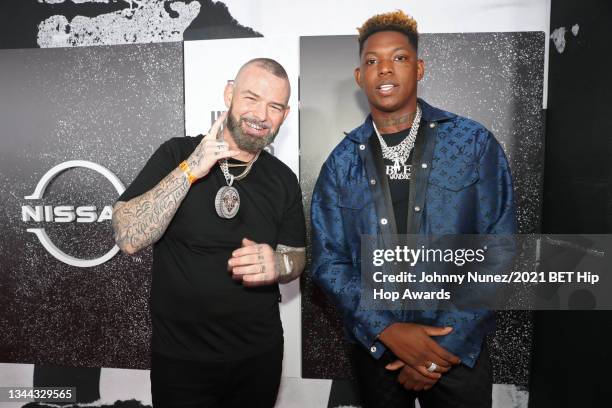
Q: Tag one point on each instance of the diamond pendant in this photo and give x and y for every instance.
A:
(396, 165)
(227, 202)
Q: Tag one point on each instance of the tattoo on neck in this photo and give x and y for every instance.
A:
(397, 121)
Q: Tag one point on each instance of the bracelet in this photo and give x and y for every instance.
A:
(288, 265)
(184, 166)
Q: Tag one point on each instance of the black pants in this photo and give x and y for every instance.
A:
(251, 382)
(461, 387)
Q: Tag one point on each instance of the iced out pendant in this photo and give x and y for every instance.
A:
(227, 202)
(396, 166)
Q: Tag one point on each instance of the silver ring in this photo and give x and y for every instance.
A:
(432, 367)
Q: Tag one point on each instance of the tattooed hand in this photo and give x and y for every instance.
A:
(254, 264)
(258, 264)
(210, 151)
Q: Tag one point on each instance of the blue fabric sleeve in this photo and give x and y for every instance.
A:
(336, 270)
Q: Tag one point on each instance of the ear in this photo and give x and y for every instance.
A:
(228, 94)
(420, 69)
(287, 109)
(358, 77)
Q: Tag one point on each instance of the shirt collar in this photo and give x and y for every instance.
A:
(429, 114)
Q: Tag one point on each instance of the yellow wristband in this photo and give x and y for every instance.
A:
(185, 167)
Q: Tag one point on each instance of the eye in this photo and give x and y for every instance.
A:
(249, 98)
(401, 58)
(276, 108)
(370, 61)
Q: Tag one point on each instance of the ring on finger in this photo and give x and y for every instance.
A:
(432, 367)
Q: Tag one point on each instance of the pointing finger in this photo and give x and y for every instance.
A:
(214, 129)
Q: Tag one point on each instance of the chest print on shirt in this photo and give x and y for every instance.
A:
(398, 171)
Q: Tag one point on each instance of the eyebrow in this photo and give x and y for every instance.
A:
(393, 50)
(281, 105)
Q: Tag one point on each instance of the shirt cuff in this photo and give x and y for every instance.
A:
(367, 336)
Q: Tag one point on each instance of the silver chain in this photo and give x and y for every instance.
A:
(229, 177)
(401, 151)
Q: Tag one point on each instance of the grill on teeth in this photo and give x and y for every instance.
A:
(386, 87)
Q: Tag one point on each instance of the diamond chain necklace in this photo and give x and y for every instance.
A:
(229, 177)
(401, 151)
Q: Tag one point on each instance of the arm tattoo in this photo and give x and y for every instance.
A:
(143, 220)
(289, 261)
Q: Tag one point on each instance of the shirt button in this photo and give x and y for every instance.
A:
(417, 208)
(424, 165)
(383, 221)
(361, 147)
(432, 125)
(372, 182)
(373, 349)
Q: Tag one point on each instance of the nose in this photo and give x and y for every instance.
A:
(385, 67)
(261, 111)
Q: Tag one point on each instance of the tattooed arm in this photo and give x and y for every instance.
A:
(143, 220)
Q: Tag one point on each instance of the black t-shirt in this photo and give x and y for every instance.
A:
(198, 312)
(399, 181)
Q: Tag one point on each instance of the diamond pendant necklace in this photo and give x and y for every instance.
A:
(227, 200)
(400, 152)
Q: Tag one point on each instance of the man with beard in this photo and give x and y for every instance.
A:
(410, 168)
(227, 224)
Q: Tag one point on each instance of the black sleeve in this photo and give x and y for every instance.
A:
(161, 163)
(292, 231)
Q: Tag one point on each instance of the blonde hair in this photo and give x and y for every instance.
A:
(392, 21)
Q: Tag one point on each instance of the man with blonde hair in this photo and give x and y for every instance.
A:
(410, 168)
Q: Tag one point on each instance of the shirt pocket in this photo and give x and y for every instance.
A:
(356, 206)
(354, 197)
(455, 179)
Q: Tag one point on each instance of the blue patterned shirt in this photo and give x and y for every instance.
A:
(461, 184)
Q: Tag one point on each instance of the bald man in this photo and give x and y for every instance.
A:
(226, 222)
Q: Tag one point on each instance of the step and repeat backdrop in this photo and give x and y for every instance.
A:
(89, 89)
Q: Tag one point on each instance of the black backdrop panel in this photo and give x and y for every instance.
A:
(577, 199)
(494, 78)
(109, 105)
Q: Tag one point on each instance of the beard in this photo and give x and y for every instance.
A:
(244, 141)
